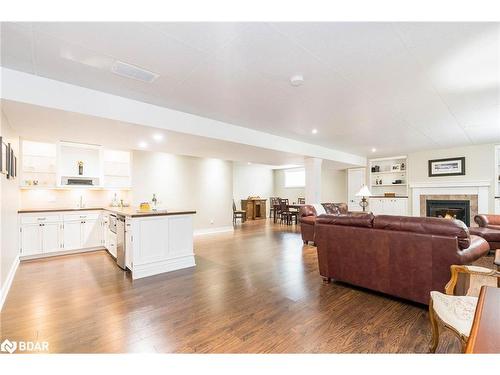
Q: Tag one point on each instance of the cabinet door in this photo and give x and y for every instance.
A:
(51, 240)
(72, 235)
(112, 243)
(91, 234)
(31, 242)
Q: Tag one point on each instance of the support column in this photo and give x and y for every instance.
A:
(313, 180)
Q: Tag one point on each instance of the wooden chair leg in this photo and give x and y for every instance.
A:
(434, 328)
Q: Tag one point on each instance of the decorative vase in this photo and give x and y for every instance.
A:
(80, 168)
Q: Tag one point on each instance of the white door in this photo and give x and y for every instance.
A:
(31, 242)
(91, 234)
(72, 235)
(51, 237)
(356, 178)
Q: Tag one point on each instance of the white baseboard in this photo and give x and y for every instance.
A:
(200, 232)
(59, 253)
(155, 268)
(8, 282)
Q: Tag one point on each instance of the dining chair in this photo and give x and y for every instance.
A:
(301, 200)
(272, 203)
(456, 312)
(238, 214)
(287, 214)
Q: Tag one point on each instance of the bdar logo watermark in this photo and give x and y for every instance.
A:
(8, 346)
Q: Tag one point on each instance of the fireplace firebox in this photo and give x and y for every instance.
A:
(449, 209)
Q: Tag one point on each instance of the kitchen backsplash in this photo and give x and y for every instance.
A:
(50, 198)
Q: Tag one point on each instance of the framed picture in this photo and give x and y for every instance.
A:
(3, 157)
(7, 159)
(447, 167)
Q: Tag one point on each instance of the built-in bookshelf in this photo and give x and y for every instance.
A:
(38, 161)
(389, 175)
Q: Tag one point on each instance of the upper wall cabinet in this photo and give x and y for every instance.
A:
(38, 164)
(116, 169)
(66, 164)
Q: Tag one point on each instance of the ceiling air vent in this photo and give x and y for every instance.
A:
(134, 72)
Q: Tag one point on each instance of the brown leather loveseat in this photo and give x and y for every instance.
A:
(307, 218)
(402, 256)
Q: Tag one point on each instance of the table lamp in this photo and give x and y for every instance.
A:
(363, 193)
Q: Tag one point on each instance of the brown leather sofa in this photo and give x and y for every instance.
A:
(307, 218)
(489, 229)
(402, 256)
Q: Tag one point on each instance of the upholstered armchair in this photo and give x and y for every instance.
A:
(489, 229)
(456, 312)
(488, 221)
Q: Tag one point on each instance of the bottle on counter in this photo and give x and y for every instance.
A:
(114, 202)
(154, 202)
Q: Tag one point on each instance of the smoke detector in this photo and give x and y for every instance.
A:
(134, 72)
(297, 80)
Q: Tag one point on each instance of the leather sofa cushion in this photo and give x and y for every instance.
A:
(364, 220)
(425, 225)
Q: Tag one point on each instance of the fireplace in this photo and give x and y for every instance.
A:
(449, 209)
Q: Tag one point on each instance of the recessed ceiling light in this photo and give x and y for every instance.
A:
(296, 80)
(314, 131)
(143, 144)
(374, 149)
(158, 137)
(249, 163)
(131, 71)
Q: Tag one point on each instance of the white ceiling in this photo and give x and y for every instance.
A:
(51, 125)
(398, 87)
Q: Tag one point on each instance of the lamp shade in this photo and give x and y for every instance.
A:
(364, 192)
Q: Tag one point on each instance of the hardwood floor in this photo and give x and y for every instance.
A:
(256, 290)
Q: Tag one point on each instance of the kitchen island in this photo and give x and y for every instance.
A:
(154, 241)
(157, 241)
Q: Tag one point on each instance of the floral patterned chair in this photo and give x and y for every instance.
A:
(456, 312)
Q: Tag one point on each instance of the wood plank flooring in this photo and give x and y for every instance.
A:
(256, 290)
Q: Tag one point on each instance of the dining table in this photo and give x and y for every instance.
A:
(295, 206)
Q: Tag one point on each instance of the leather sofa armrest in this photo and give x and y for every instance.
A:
(487, 220)
(307, 210)
(478, 247)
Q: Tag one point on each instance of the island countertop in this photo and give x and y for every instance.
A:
(125, 211)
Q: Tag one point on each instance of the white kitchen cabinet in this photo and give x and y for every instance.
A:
(61, 231)
(72, 235)
(91, 233)
(388, 206)
(31, 242)
(51, 237)
(40, 238)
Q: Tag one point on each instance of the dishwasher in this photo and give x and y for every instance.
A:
(120, 242)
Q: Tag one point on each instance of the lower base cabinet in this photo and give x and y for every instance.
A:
(388, 206)
(40, 235)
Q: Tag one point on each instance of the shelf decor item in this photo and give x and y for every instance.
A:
(447, 167)
(80, 168)
(396, 167)
(364, 192)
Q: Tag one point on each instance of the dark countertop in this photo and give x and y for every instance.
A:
(125, 211)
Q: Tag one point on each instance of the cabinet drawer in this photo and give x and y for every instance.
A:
(36, 219)
(81, 216)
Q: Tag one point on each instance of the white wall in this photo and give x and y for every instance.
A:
(479, 165)
(252, 180)
(9, 205)
(333, 186)
(185, 183)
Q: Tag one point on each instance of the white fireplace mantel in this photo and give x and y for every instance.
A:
(479, 188)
